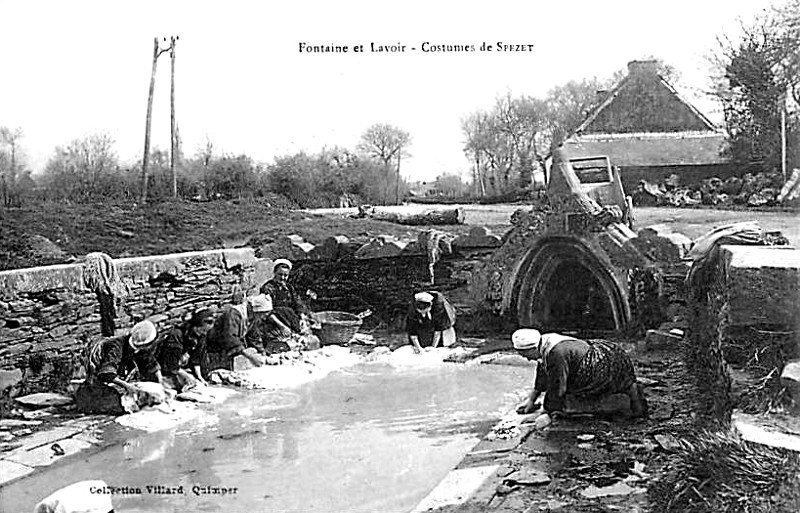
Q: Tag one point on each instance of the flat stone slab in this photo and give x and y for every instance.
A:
(48, 437)
(6, 424)
(44, 399)
(620, 488)
(759, 434)
(456, 488)
(45, 454)
(540, 445)
(10, 471)
(84, 423)
(660, 339)
(528, 477)
(497, 445)
(606, 405)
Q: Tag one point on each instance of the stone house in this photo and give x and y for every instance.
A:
(650, 132)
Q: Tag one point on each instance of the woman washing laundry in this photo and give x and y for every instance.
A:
(587, 370)
(181, 351)
(110, 367)
(430, 321)
(288, 325)
(228, 336)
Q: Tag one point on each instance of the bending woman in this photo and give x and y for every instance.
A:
(588, 370)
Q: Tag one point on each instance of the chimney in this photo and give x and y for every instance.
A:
(639, 68)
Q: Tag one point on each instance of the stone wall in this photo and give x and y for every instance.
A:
(47, 314)
(386, 285)
(383, 274)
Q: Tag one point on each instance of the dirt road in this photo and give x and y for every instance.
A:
(692, 222)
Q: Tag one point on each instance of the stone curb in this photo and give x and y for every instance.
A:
(37, 451)
(477, 467)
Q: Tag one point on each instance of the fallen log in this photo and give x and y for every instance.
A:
(428, 217)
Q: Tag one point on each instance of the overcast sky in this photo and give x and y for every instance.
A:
(71, 68)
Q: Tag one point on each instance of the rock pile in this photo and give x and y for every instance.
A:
(762, 189)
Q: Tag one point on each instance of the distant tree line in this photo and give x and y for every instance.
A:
(88, 169)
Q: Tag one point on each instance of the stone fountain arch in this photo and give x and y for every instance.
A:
(564, 283)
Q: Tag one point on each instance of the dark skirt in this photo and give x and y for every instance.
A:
(98, 398)
(606, 369)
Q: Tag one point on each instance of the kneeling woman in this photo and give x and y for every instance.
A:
(430, 321)
(587, 370)
(287, 325)
(110, 362)
(181, 352)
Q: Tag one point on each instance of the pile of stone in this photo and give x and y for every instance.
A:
(762, 189)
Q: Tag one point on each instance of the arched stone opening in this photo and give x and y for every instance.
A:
(564, 286)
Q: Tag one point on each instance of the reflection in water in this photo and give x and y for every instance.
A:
(370, 439)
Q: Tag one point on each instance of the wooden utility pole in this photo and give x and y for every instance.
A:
(146, 159)
(174, 135)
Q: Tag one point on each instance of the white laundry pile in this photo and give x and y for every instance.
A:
(405, 357)
(163, 416)
(292, 368)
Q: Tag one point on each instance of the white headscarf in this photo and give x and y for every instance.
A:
(282, 261)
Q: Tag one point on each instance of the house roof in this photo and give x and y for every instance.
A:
(651, 149)
(643, 121)
(644, 102)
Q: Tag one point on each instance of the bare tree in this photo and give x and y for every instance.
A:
(9, 165)
(206, 153)
(385, 143)
(83, 168)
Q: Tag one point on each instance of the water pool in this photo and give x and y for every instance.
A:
(368, 438)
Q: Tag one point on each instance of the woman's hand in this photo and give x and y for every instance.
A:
(529, 406)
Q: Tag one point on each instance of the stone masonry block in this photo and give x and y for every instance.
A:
(660, 339)
(330, 249)
(478, 237)
(659, 243)
(292, 247)
(762, 285)
(381, 247)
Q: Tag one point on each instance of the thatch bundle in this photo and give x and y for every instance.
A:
(720, 472)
